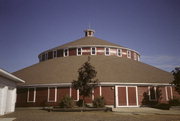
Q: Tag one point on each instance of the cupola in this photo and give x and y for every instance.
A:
(89, 32)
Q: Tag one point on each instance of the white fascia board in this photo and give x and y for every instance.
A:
(10, 76)
(100, 84)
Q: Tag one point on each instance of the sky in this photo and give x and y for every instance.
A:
(29, 27)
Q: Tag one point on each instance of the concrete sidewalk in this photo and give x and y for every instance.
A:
(7, 119)
(146, 110)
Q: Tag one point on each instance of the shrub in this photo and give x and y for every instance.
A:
(67, 102)
(99, 102)
(174, 102)
(163, 106)
(80, 103)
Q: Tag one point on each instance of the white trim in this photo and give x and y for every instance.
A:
(10, 76)
(64, 52)
(120, 52)
(101, 83)
(109, 46)
(77, 51)
(128, 54)
(149, 92)
(100, 91)
(106, 51)
(171, 92)
(55, 94)
(46, 56)
(167, 96)
(167, 99)
(137, 96)
(116, 96)
(135, 57)
(54, 55)
(70, 93)
(92, 94)
(127, 97)
(95, 51)
(34, 95)
(77, 95)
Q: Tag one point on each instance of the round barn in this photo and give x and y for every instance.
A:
(123, 78)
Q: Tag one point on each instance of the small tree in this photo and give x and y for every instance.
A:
(176, 82)
(86, 80)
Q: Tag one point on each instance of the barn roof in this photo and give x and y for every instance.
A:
(109, 69)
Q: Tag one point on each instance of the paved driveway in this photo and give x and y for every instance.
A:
(41, 115)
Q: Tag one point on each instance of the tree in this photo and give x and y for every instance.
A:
(176, 81)
(86, 80)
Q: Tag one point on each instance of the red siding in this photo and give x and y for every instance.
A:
(101, 49)
(72, 51)
(52, 94)
(96, 92)
(61, 92)
(74, 94)
(141, 91)
(122, 96)
(108, 94)
(86, 49)
(31, 94)
(132, 96)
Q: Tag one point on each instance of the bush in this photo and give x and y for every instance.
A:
(80, 103)
(67, 102)
(99, 102)
(174, 102)
(163, 106)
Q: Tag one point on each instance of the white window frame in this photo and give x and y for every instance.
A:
(128, 53)
(92, 50)
(55, 94)
(167, 93)
(135, 57)
(34, 95)
(46, 56)
(64, 52)
(138, 57)
(127, 96)
(149, 93)
(54, 55)
(106, 51)
(120, 52)
(77, 51)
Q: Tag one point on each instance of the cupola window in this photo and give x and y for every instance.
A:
(135, 57)
(46, 56)
(54, 53)
(129, 54)
(79, 51)
(119, 52)
(66, 52)
(93, 51)
(107, 51)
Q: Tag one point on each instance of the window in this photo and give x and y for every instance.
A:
(135, 58)
(129, 54)
(52, 94)
(31, 96)
(107, 51)
(54, 53)
(93, 51)
(152, 93)
(79, 51)
(119, 52)
(138, 57)
(46, 56)
(66, 52)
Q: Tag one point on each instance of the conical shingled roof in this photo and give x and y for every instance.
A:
(109, 69)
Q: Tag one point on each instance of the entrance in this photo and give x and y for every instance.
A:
(126, 96)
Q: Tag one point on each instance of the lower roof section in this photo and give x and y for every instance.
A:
(109, 69)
